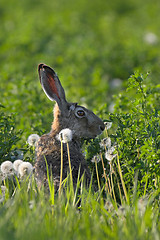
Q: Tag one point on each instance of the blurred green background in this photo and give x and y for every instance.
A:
(93, 45)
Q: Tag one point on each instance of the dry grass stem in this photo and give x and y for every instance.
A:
(97, 176)
(111, 169)
(69, 160)
(61, 173)
(104, 173)
(121, 177)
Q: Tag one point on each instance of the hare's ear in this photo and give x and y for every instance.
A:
(51, 85)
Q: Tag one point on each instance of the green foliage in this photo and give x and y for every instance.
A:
(136, 137)
(137, 114)
(9, 136)
(30, 214)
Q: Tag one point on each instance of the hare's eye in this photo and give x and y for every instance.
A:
(80, 113)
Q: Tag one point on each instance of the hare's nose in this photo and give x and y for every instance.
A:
(102, 127)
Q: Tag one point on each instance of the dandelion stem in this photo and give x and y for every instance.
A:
(60, 184)
(104, 172)
(97, 176)
(106, 132)
(69, 160)
(112, 183)
(123, 184)
(109, 183)
(119, 187)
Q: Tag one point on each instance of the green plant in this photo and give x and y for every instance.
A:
(9, 136)
(138, 132)
(28, 212)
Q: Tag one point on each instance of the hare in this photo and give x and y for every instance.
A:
(83, 123)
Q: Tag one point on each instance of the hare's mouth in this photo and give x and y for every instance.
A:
(96, 132)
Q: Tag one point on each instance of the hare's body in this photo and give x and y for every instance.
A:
(82, 122)
(49, 147)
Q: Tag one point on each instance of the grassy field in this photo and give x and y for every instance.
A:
(106, 54)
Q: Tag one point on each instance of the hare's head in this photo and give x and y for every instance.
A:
(83, 122)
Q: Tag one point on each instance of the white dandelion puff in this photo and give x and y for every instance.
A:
(111, 149)
(16, 164)
(7, 167)
(109, 156)
(150, 38)
(108, 125)
(33, 139)
(65, 135)
(96, 159)
(106, 142)
(25, 169)
(115, 83)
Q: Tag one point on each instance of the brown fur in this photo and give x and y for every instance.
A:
(49, 148)
(56, 123)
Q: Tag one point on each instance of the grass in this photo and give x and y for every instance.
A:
(31, 214)
(90, 44)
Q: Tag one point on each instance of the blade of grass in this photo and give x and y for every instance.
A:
(70, 168)
(121, 177)
(61, 173)
(50, 184)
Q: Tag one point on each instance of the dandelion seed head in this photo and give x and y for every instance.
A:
(109, 156)
(33, 139)
(16, 164)
(25, 168)
(108, 125)
(115, 83)
(106, 142)
(111, 150)
(96, 159)
(65, 135)
(7, 167)
(150, 38)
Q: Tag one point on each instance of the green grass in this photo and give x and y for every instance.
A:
(89, 44)
(30, 214)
